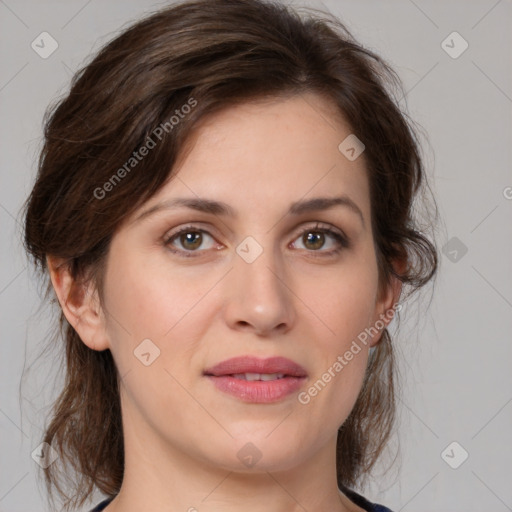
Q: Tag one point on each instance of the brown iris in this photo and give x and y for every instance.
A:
(316, 239)
(193, 238)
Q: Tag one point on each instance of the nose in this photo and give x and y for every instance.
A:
(258, 297)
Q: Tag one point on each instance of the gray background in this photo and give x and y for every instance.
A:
(455, 356)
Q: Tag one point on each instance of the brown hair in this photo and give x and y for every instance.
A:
(208, 54)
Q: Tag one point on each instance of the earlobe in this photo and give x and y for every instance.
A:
(80, 305)
(386, 304)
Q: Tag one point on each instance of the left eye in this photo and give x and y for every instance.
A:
(315, 239)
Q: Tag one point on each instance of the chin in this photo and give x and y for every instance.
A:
(259, 451)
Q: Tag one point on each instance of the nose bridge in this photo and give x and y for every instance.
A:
(258, 295)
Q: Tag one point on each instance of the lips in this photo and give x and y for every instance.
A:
(253, 365)
(254, 380)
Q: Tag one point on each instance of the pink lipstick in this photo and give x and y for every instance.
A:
(255, 380)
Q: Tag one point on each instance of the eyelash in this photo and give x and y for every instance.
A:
(341, 240)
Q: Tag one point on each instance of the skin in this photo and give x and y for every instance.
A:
(182, 435)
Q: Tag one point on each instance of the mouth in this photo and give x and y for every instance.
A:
(255, 380)
(259, 376)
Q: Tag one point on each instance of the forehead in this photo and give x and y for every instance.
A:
(268, 153)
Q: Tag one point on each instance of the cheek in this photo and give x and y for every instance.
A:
(144, 301)
(140, 295)
(139, 300)
(345, 304)
(344, 301)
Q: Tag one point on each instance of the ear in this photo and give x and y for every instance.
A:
(387, 300)
(80, 305)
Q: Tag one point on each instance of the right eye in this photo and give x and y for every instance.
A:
(190, 239)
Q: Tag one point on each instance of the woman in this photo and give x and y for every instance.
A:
(224, 209)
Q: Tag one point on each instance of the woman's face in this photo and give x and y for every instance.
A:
(253, 275)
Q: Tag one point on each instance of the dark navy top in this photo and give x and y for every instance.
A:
(356, 498)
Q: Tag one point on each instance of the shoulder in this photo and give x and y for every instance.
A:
(101, 505)
(362, 502)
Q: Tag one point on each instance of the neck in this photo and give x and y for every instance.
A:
(160, 476)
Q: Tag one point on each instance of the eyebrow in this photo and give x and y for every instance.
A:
(222, 209)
